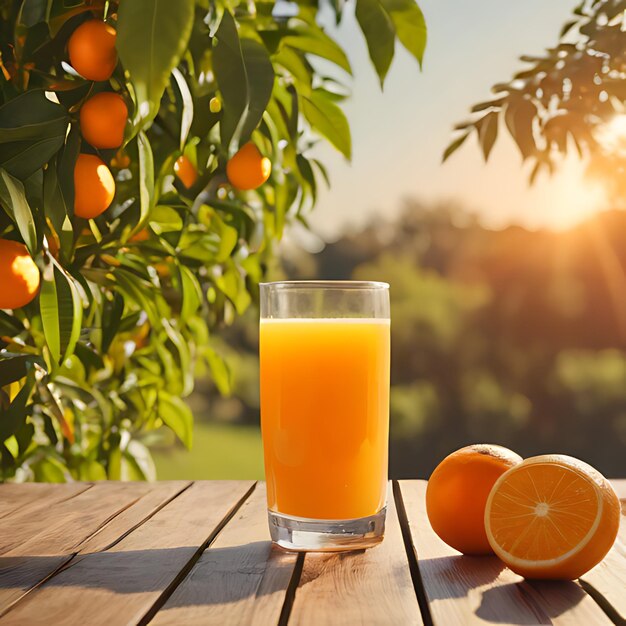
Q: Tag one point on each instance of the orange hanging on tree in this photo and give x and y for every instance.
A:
(248, 169)
(20, 275)
(185, 171)
(91, 49)
(103, 119)
(94, 186)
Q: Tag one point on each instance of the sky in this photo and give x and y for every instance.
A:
(399, 134)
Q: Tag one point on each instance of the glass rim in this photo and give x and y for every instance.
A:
(326, 284)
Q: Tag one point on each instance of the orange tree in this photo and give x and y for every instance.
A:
(151, 152)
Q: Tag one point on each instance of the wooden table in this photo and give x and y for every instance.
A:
(198, 553)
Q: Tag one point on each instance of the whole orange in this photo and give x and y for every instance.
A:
(103, 119)
(457, 492)
(185, 171)
(94, 186)
(552, 516)
(92, 51)
(141, 235)
(248, 169)
(20, 275)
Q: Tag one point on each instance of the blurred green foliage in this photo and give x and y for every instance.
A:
(220, 452)
(514, 337)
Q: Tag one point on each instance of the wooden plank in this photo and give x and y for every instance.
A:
(54, 536)
(461, 589)
(606, 582)
(122, 584)
(240, 579)
(160, 494)
(65, 519)
(26, 498)
(370, 587)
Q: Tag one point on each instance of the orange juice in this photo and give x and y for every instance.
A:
(325, 415)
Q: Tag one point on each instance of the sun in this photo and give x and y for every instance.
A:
(612, 136)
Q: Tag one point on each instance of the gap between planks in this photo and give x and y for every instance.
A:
(372, 586)
(478, 590)
(241, 577)
(25, 498)
(129, 580)
(164, 597)
(130, 515)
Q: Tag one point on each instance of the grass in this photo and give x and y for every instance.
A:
(220, 451)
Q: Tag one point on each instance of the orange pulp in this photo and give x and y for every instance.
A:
(325, 415)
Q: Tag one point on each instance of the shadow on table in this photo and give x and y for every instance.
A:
(220, 576)
(456, 576)
(536, 601)
(509, 600)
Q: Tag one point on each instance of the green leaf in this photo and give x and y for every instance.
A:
(15, 366)
(15, 204)
(230, 73)
(140, 292)
(482, 106)
(260, 80)
(24, 436)
(30, 117)
(137, 463)
(294, 63)
(227, 235)
(146, 176)
(165, 219)
(177, 416)
(219, 370)
(323, 171)
(91, 471)
(152, 36)
(58, 190)
(320, 45)
(49, 470)
(487, 128)
(410, 25)
(379, 33)
(32, 130)
(328, 120)
(23, 158)
(232, 284)
(14, 417)
(191, 293)
(567, 27)
(186, 117)
(59, 12)
(61, 311)
(454, 146)
(245, 76)
(518, 117)
(111, 318)
(33, 11)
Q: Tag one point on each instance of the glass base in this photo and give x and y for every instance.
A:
(302, 534)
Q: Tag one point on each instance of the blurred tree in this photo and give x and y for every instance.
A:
(510, 336)
(513, 336)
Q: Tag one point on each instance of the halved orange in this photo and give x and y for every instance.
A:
(552, 516)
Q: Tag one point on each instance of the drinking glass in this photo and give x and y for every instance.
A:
(325, 350)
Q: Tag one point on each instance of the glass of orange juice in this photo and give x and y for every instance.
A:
(325, 350)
